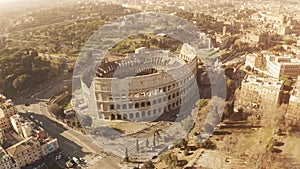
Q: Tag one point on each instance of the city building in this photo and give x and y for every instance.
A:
(27, 142)
(273, 65)
(6, 111)
(260, 93)
(25, 152)
(22, 126)
(2, 137)
(49, 145)
(6, 162)
(27, 128)
(294, 102)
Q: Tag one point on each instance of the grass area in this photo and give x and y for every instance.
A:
(291, 148)
(132, 43)
(66, 102)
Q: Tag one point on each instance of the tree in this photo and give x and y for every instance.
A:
(126, 158)
(208, 144)
(170, 159)
(182, 143)
(55, 109)
(148, 165)
(287, 81)
(248, 68)
(228, 110)
(186, 152)
(86, 121)
(230, 88)
(147, 142)
(229, 72)
(20, 81)
(290, 41)
(202, 103)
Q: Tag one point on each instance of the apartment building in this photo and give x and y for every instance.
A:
(6, 111)
(25, 152)
(6, 162)
(274, 66)
(49, 145)
(260, 93)
(22, 126)
(294, 102)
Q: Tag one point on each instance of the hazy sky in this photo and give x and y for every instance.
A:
(6, 1)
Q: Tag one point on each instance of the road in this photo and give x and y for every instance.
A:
(71, 141)
(45, 90)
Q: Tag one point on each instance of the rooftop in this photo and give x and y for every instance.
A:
(3, 153)
(263, 82)
(20, 147)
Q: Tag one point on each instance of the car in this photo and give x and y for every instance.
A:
(27, 104)
(81, 160)
(154, 157)
(76, 160)
(170, 146)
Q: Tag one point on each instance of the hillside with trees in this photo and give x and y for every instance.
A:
(22, 69)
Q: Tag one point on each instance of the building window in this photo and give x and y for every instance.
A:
(154, 102)
(136, 105)
(130, 105)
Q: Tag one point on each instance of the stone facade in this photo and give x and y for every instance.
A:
(6, 162)
(260, 93)
(49, 146)
(25, 152)
(275, 66)
(6, 111)
(146, 84)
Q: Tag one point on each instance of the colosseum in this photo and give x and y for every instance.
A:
(146, 84)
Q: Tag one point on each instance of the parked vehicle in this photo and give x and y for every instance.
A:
(76, 160)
